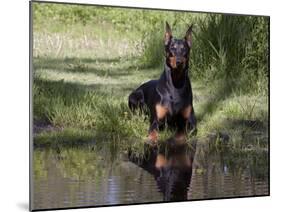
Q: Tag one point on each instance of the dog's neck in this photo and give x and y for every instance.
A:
(177, 77)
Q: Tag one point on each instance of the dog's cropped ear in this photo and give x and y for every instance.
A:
(188, 36)
(168, 34)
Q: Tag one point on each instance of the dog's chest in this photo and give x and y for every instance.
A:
(174, 100)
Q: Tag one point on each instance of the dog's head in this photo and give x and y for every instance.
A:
(177, 50)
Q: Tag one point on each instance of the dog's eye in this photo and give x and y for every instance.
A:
(172, 48)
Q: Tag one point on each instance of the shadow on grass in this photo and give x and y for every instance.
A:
(113, 67)
(74, 91)
(67, 90)
(57, 95)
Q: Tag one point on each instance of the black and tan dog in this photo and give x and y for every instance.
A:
(169, 99)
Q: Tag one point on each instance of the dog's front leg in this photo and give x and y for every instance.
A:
(185, 122)
(157, 116)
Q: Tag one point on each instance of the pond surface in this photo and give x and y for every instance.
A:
(75, 177)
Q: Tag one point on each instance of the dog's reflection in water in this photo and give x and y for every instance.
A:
(171, 164)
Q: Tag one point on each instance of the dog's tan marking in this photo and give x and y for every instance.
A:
(161, 111)
(160, 161)
(186, 112)
(173, 61)
(153, 136)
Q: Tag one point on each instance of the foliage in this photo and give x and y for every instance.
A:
(234, 49)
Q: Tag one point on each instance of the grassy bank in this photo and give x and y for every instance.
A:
(84, 71)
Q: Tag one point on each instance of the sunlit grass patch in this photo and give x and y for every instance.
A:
(233, 113)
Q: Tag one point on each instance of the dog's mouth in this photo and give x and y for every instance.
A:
(179, 68)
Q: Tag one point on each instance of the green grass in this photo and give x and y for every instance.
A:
(89, 106)
(84, 74)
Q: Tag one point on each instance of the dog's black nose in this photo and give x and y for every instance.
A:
(178, 63)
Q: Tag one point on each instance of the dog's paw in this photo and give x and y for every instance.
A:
(179, 136)
(152, 138)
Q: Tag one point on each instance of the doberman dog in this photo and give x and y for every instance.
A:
(169, 99)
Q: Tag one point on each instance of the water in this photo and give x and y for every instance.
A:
(73, 177)
(218, 174)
